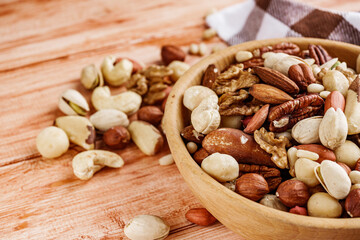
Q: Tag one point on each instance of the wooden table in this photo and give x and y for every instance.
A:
(43, 47)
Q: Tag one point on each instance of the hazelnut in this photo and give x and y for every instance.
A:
(150, 114)
(293, 193)
(171, 53)
(299, 210)
(252, 186)
(117, 137)
(345, 167)
(200, 155)
(352, 203)
(357, 165)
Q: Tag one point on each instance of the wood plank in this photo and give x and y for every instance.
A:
(42, 199)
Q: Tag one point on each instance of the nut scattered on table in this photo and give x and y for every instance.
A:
(71, 102)
(200, 216)
(117, 137)
(52, 142)
(91, 77)
(105, 119)
(147, 227)
(116, 73)
(86, 164)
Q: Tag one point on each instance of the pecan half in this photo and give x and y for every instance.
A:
(234, 104)
(274, 146)
(318, 53)
(284, 47)
(302, 75)
(254, 62)
(271, 175)
(286, 115)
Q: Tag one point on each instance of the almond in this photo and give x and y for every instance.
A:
(150, 114)
(237, 144)
(210, 75)
(277, 79)
(171, 53)
(323, 152)
(335, 100)
(257, 120)
(269, 94)
(200, 216)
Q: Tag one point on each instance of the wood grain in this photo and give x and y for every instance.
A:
(43, 47)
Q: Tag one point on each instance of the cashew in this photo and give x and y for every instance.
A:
(128, 102)
(195, 94)
(85, 164)
(116, 74)
(206, 117)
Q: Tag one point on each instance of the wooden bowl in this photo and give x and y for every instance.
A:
(245, 217)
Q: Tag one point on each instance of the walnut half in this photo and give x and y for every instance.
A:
(274, 146)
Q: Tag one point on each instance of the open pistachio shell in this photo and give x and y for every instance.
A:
(79, 130)
(71, 102)
(333, 178)
(91, 77)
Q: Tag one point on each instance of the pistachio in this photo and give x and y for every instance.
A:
(71, 102)
(91, 77)
(85, 164)
(52, 142)
(329, 64)
(306, 131)
(128, 102)
(333, 128)
(147, 227)
(323, 205)
(333, 178)
(116, 73)
(79, 130)
(105, 119)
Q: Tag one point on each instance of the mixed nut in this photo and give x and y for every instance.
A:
(281, 126)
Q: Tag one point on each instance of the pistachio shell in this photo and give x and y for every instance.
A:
(79, 130)
(71, 102)
(306, 131)
(146, 227)
(333, 178)
(329, 63)
(107, 118)
(91, 77)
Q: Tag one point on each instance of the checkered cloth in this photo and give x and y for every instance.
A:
(262, 19)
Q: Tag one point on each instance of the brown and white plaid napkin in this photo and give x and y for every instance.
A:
(262, 19)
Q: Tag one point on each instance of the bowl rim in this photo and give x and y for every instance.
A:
(172, 126)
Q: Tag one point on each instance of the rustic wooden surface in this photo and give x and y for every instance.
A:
(43, 46)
